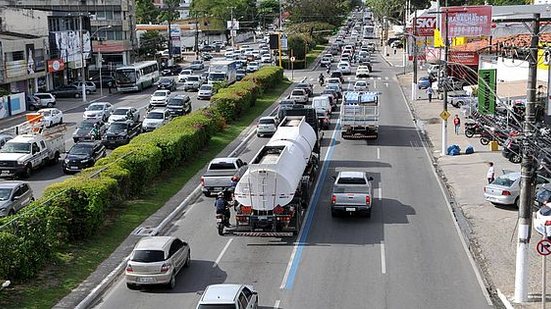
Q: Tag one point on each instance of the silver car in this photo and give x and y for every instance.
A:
(505, 189)
(266, 126)
(226, 296)
(14, 195)
(157, 260)
(352, 194)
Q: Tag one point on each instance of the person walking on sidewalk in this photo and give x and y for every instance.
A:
(429, 93)
(491, 173)
(457, 124)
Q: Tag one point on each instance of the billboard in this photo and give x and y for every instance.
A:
(29, 49)
(175, 35)
(424, 25)
(487, 91)
(468, 21)
(68, 45)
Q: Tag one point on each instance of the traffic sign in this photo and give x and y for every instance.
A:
(544, 247)
(445, 115)
(292, 59)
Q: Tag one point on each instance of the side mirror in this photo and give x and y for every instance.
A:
(15, 198)
(255, 293)
(244, 163)
(370, 179)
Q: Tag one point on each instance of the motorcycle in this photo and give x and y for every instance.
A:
(321, 81)
(493, 134)
(472, 129)
(221, 221)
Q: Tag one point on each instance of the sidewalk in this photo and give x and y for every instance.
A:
(490, 230)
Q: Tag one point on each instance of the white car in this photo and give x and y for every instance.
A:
(46, 99)
(266, 126)
(542, 221)
(229, 296)
(123, 114)
(299, 95)
(159, 98)
(344, 67)
(193, 82)
(155, 118)
(51, 116)
(253, 66)
(266, 58)
(205, 92)
(362, 71)
(183, 75)
(360, 85)
(326, 60)
(99, 111)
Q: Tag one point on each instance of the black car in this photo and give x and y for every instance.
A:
(206, 48)
(206, 56)
(106, 81)
(84, 131)
(240, 74)
(83, 155)
(120, 133)
(511, 150)
(309, 88)
(167, 83)
(171, 70)
(179, 105)
(339, 75)
(67, 92)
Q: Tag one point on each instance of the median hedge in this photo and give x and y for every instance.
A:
(74, 209)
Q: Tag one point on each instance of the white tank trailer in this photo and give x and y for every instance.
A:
(276, 188)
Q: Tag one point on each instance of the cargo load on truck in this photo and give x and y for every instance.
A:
(359, 115)
(276, 188)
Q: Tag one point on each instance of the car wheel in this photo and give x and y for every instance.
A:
(61, 120)
(172, 283)
(77, 95)
(469, 133)
(484, 141)
(28, 171)
(131, 286)
(516, 203)
(188, 260)
(11, 212)
(368, 214)
(206, 193)
(87, 92)
(515, 158)
(49, 105)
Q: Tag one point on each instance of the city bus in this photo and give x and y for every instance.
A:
(137, 76)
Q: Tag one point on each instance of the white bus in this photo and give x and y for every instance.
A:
(136, 77)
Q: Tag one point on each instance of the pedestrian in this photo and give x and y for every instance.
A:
(429, 93)
(491, 172)
(456, 124)
(109, 85)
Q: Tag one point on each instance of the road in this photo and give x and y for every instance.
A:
(408, 255)
(51, 174)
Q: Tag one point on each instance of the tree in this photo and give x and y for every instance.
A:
(330, 11)
(169, 11)
(146, 12)
(150, 43)
(268, 11)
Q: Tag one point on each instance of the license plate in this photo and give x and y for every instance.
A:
(73, 167)
(350, 209)
(262, 217)
(218, 220)
(5, 172)
(217, 189)
(146, 280)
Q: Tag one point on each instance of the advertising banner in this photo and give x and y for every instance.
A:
(487, 91)
(29, 49)
(55, 65)
(68, 45)
(175, 35)
(464, 57)
(424, 25)
(468, 21)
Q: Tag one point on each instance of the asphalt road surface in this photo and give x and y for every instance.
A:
(407, 255)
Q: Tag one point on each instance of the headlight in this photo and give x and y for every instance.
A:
(85, 161)
(66, 161)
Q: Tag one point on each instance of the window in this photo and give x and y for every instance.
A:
(176, 245)
(18, 55)
(541, 180)
(35, 148)
(148, 256)
(24, 188)
(18, 192)
(248, 293)
(42, 144)
(243, 301)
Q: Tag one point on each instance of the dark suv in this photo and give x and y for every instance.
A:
(179, 105)
(83, 155)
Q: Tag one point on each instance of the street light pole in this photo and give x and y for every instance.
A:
(445, 107)
(280, 17)
(231, 28)
(100, 59)
(82, 59)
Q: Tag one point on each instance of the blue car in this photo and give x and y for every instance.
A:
(424, 82)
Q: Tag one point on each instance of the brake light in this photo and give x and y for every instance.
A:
(202, 181)
(505, 192)
(367, 199)
(548, 222)
(333, 199)
(278, 210)
(129, 268)
(247, 210)
(165, 268)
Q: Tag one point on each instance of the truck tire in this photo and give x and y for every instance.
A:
(28, 171)
(77, 95)
(55, 159)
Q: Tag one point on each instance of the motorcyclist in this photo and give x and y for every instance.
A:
(329, 69)
(321, 79)
(222, 207)
(96, 135)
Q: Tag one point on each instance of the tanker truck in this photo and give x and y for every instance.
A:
(276, 188)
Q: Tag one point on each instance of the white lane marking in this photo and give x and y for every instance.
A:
(219, 258)
(380, 193)
(378, 153)
(383, 262)
(276, 304)
(504, 300)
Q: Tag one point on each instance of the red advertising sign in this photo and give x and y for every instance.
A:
(464, 57)
(424, 26)
(469, 21)
(56, 65)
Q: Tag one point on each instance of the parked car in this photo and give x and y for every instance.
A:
(240, 74)
(171, 70)
(505, 189)
(99, 111)
(206, 48)
(84, 130)
(120, 133)
(166, 83)
(193, 82)
(229, 296)
(14, 195)
(183, 75)
(51, 116)
(157, 260)
(70, 91)
(266, 126)
(542, 221)
(206, 91)
(360, 85)
(299, 95)
(89, 86)
(159, 98)
(83, 155)
(155, 118)
(46, 99)
(197, 65)
(179, 105)
(352, 194)
(106, 80)
(543, 196)
(125, 113)
(266, 58)
(206, 56)
(451, 83)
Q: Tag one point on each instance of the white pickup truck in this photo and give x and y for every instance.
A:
(218, 176)
(25, 153)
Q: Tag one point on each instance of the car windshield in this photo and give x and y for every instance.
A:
(217, 77)
(126, 76)
(121, 111)
(148, 256)
(361, 84)
(85, 125)
(81, 149)
(297, 92)
(266, 121)
(222, 166)
(45, 113)
(193, 78)
(216, 306)
(206, 87)
(503, 181)
(117, 127)
(159, 94)
(154, 115)
(16, 148)
(166, 80)
(43, 96)
(95, 107)
(5, 194)
(176, 101)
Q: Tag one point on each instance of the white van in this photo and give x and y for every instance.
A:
(322, 103)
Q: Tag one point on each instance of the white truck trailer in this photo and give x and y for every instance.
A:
(360, 115)
(223, 71)
(275, 190)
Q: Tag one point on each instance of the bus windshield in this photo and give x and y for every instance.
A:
(125, 76)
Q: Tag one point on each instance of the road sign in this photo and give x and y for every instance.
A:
(445, 115)
(544, 247)
(292, 59)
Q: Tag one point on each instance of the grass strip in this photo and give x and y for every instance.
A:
(314, 53)
(73, 266)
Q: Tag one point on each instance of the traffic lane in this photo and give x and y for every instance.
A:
(197, 226)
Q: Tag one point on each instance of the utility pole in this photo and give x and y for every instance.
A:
(231, 29)
(82, 59)
(414, 81)
(280, 18)
(169, 38)
(197, 35)
(527, 179)
(445, 107)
